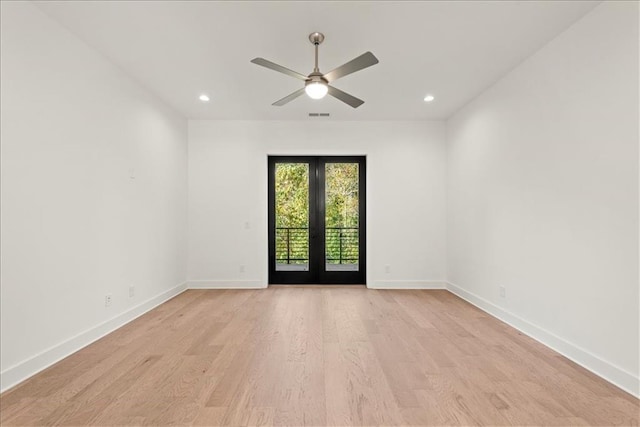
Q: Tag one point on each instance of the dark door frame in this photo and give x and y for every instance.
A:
(317, 273)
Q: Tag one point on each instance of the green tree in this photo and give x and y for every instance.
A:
(341, 195)
(292, 195)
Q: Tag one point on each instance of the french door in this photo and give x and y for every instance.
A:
(317, 221)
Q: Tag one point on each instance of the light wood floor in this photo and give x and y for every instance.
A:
(331, 356)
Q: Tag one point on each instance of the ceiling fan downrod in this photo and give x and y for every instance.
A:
(316, 38)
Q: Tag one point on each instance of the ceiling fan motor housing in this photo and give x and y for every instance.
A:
(316, 78)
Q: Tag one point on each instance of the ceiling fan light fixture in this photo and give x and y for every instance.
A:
(316, 90)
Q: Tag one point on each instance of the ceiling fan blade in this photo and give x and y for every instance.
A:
(345, 97)
(275, 67)
(288, 98)
(363, 61)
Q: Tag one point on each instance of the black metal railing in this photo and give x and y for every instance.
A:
(341, 245)
(292, 245)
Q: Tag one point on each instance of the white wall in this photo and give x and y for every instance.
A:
(543, 195)
(75, 226)
(228, 187)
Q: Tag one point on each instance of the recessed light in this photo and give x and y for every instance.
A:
(204, 98)
(429, 98)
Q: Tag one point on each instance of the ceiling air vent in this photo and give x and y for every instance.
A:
(318, 114)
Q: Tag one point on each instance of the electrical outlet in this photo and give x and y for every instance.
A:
(132, 291)
(247, 225)
(107, 300)
(503, 292)
(387, 269)
(242, 269)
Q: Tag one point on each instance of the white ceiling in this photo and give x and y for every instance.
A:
(453, 50)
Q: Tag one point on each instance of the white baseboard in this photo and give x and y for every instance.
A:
(226, 284)
(407, 284)
(20, 372)
(615, 375)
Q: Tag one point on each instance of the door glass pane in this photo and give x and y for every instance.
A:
(292, 216)
(342, 217)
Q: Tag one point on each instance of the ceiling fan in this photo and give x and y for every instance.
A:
(317, 84)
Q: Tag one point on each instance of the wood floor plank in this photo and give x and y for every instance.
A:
(317, 356)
